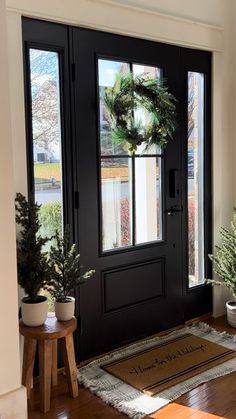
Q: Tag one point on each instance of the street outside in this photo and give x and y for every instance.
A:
(45, 196)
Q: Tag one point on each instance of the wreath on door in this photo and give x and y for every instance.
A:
(140, 95)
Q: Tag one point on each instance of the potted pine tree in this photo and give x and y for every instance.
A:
(67, 275)
(34, 271)
(224, 265)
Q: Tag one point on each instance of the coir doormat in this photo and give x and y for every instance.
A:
(168, 363)
(141, 378)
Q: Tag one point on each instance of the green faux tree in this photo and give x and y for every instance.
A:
(224, 259)
(67, 269)
(34, 271)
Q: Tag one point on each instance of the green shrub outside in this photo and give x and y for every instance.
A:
(50, 216)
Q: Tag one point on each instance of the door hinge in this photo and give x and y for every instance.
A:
(73, 72)
(76, 199)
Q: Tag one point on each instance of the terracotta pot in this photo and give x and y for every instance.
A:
(231, 312)
(34, 314)
(64, 311)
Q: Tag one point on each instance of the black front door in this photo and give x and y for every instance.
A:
(143, 222)
(126, 230)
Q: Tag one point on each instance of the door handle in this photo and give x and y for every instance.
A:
(174, 183)
(174, 210)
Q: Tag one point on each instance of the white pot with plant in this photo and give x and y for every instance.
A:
(67, 275)
(33, 269)
(224, 266)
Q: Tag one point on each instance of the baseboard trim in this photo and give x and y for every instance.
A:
(14, 404)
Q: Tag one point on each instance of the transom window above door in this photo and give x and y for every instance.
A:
(130, 185)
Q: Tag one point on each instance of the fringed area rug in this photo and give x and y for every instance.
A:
(144, 377)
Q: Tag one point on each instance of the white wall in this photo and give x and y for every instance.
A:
(204, 24)
(223, 141)
(9, 335)
(207, 11)
(234, 93)
(111, 16)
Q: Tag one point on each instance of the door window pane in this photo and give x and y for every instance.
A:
(107, 71)
(148, 70)
(140, 114)
(196, 178)
(148, 202)
(116, 178)
(130, 185)
(46, 124)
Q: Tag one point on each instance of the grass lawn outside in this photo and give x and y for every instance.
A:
(47, 171)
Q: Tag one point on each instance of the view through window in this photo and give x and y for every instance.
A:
(131, 191)
(196, 178)
(46, 124)
(46, 127)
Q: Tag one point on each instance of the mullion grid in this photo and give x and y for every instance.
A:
(133, 194)
(132, 198)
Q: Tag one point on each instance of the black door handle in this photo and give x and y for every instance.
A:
(174, 210)
(174, 183)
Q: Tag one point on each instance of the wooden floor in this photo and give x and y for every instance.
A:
(212, 400)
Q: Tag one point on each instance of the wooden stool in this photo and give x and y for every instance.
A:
(47, 336)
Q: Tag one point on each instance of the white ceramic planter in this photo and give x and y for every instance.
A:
(34, 314)
(231, 312)
(65, 311)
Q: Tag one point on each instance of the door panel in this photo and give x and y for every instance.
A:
(133, 284)
(137, 288)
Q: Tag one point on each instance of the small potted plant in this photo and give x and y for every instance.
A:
(224, 265)
(67, 275)
(33, 269)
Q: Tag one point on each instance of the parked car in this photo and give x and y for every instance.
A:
(190, 164)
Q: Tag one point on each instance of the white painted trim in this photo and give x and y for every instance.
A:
(17, 101)
(14, 404)
(129, 20)
(159, 14)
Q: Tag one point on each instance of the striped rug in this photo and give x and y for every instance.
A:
(141, 378)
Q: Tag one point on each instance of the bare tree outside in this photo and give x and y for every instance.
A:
(46, 124)
(45, 100)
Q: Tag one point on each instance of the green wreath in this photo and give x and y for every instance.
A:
(131, 93)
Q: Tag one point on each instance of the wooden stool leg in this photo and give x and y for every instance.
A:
(28, 363)
(70, 365)
(45, 371)
(54, 362)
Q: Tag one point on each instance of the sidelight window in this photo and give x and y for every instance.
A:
(46, 137)
(196, 178)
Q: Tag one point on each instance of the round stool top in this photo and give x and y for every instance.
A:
(51, 329)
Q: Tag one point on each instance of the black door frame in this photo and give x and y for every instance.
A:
(196, 299)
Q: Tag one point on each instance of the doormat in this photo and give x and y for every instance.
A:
(169, 363)
(144, 377)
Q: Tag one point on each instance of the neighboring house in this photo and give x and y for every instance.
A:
(41, 155)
